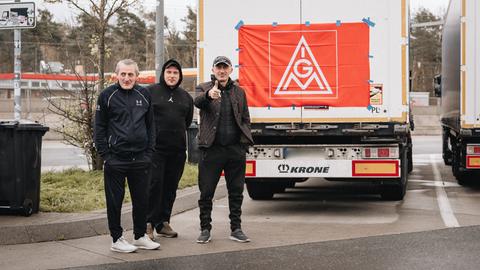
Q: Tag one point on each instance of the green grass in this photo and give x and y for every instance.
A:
(76, 190)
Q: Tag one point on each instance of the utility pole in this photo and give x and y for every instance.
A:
(17, 71)
(159, 42)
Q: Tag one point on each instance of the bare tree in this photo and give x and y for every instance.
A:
(100, 11)
(79, 110)
(76, 110)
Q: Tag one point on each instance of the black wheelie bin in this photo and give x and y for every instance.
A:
(20, 162)
(193, 153)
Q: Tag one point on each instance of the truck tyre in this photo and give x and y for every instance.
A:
(283, 184)
(396, 191)
(463, 178)
(446, 152)
(410, 154)
(290, 184)
(260, 190)
(278, 187)
(392, 193)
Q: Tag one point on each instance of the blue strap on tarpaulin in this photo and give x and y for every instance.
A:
(368, 21)
(239, 24)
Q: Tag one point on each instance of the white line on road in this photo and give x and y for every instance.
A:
(446, 211)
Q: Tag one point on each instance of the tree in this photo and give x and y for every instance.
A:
(190, 34)
(426, 51)
(77, 117)
(6, 51)
(129, 37)
(36, 42)
(99, 13)
(42, 42)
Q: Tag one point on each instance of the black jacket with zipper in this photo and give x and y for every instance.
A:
(124, 125)
(173, 112)
(210, 113)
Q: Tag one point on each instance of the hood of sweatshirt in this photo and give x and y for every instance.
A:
(170, 63)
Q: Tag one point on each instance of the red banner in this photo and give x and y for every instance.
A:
(319, 64)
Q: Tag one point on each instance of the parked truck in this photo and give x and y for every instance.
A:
(460, 88)
(327, 88)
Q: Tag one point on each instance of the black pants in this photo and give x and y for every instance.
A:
(167, 170)
(230, 159)
(136, 173)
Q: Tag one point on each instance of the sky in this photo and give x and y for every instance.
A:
(177, 9)
(173, 9)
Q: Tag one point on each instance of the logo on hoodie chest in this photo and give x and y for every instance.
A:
(139, 103)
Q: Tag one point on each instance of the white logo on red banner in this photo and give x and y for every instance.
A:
(303, 67)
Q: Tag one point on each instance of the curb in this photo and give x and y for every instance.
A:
(94, 224)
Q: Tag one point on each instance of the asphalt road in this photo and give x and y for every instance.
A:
(441, 249)
(330, 225)
(58, 156)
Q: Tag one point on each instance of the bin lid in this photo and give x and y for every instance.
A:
(23, 124)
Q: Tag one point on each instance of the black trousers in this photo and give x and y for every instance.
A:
(230, 159)
(167, 170)
(136, 173)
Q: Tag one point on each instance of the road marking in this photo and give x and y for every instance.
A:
(446, 211)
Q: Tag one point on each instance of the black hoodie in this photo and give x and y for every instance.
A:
(173, 112)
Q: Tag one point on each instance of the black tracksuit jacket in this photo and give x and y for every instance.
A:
(124, 125)
(173, 110)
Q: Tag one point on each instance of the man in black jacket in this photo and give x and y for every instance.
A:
(125, 138)
(223, 138)
(173, 110)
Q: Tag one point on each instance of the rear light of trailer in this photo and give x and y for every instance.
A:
(379, 152)
(250, 168)
(473, 156)
(473, 162)
(473, 149)
(383, 152)
(367, 152)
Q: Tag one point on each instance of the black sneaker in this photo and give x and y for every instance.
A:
(204, 237)
(239, 236)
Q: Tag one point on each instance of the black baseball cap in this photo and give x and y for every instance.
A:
(222, 60)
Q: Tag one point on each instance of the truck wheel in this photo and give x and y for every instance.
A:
(462, 178)
(290, 184)
(283, 184)
(396, 189)
(278, 187)
(392, 192)
(446, 152)
(410, 155)
(260, 190)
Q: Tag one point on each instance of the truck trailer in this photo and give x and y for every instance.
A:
(460, 88)
(327, 88)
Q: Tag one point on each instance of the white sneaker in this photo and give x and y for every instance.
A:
(145, 242)
(122, 245)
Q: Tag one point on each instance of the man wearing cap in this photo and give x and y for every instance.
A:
(173, 111)
(223, 138)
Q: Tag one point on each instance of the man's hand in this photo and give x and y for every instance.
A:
(215, 93)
